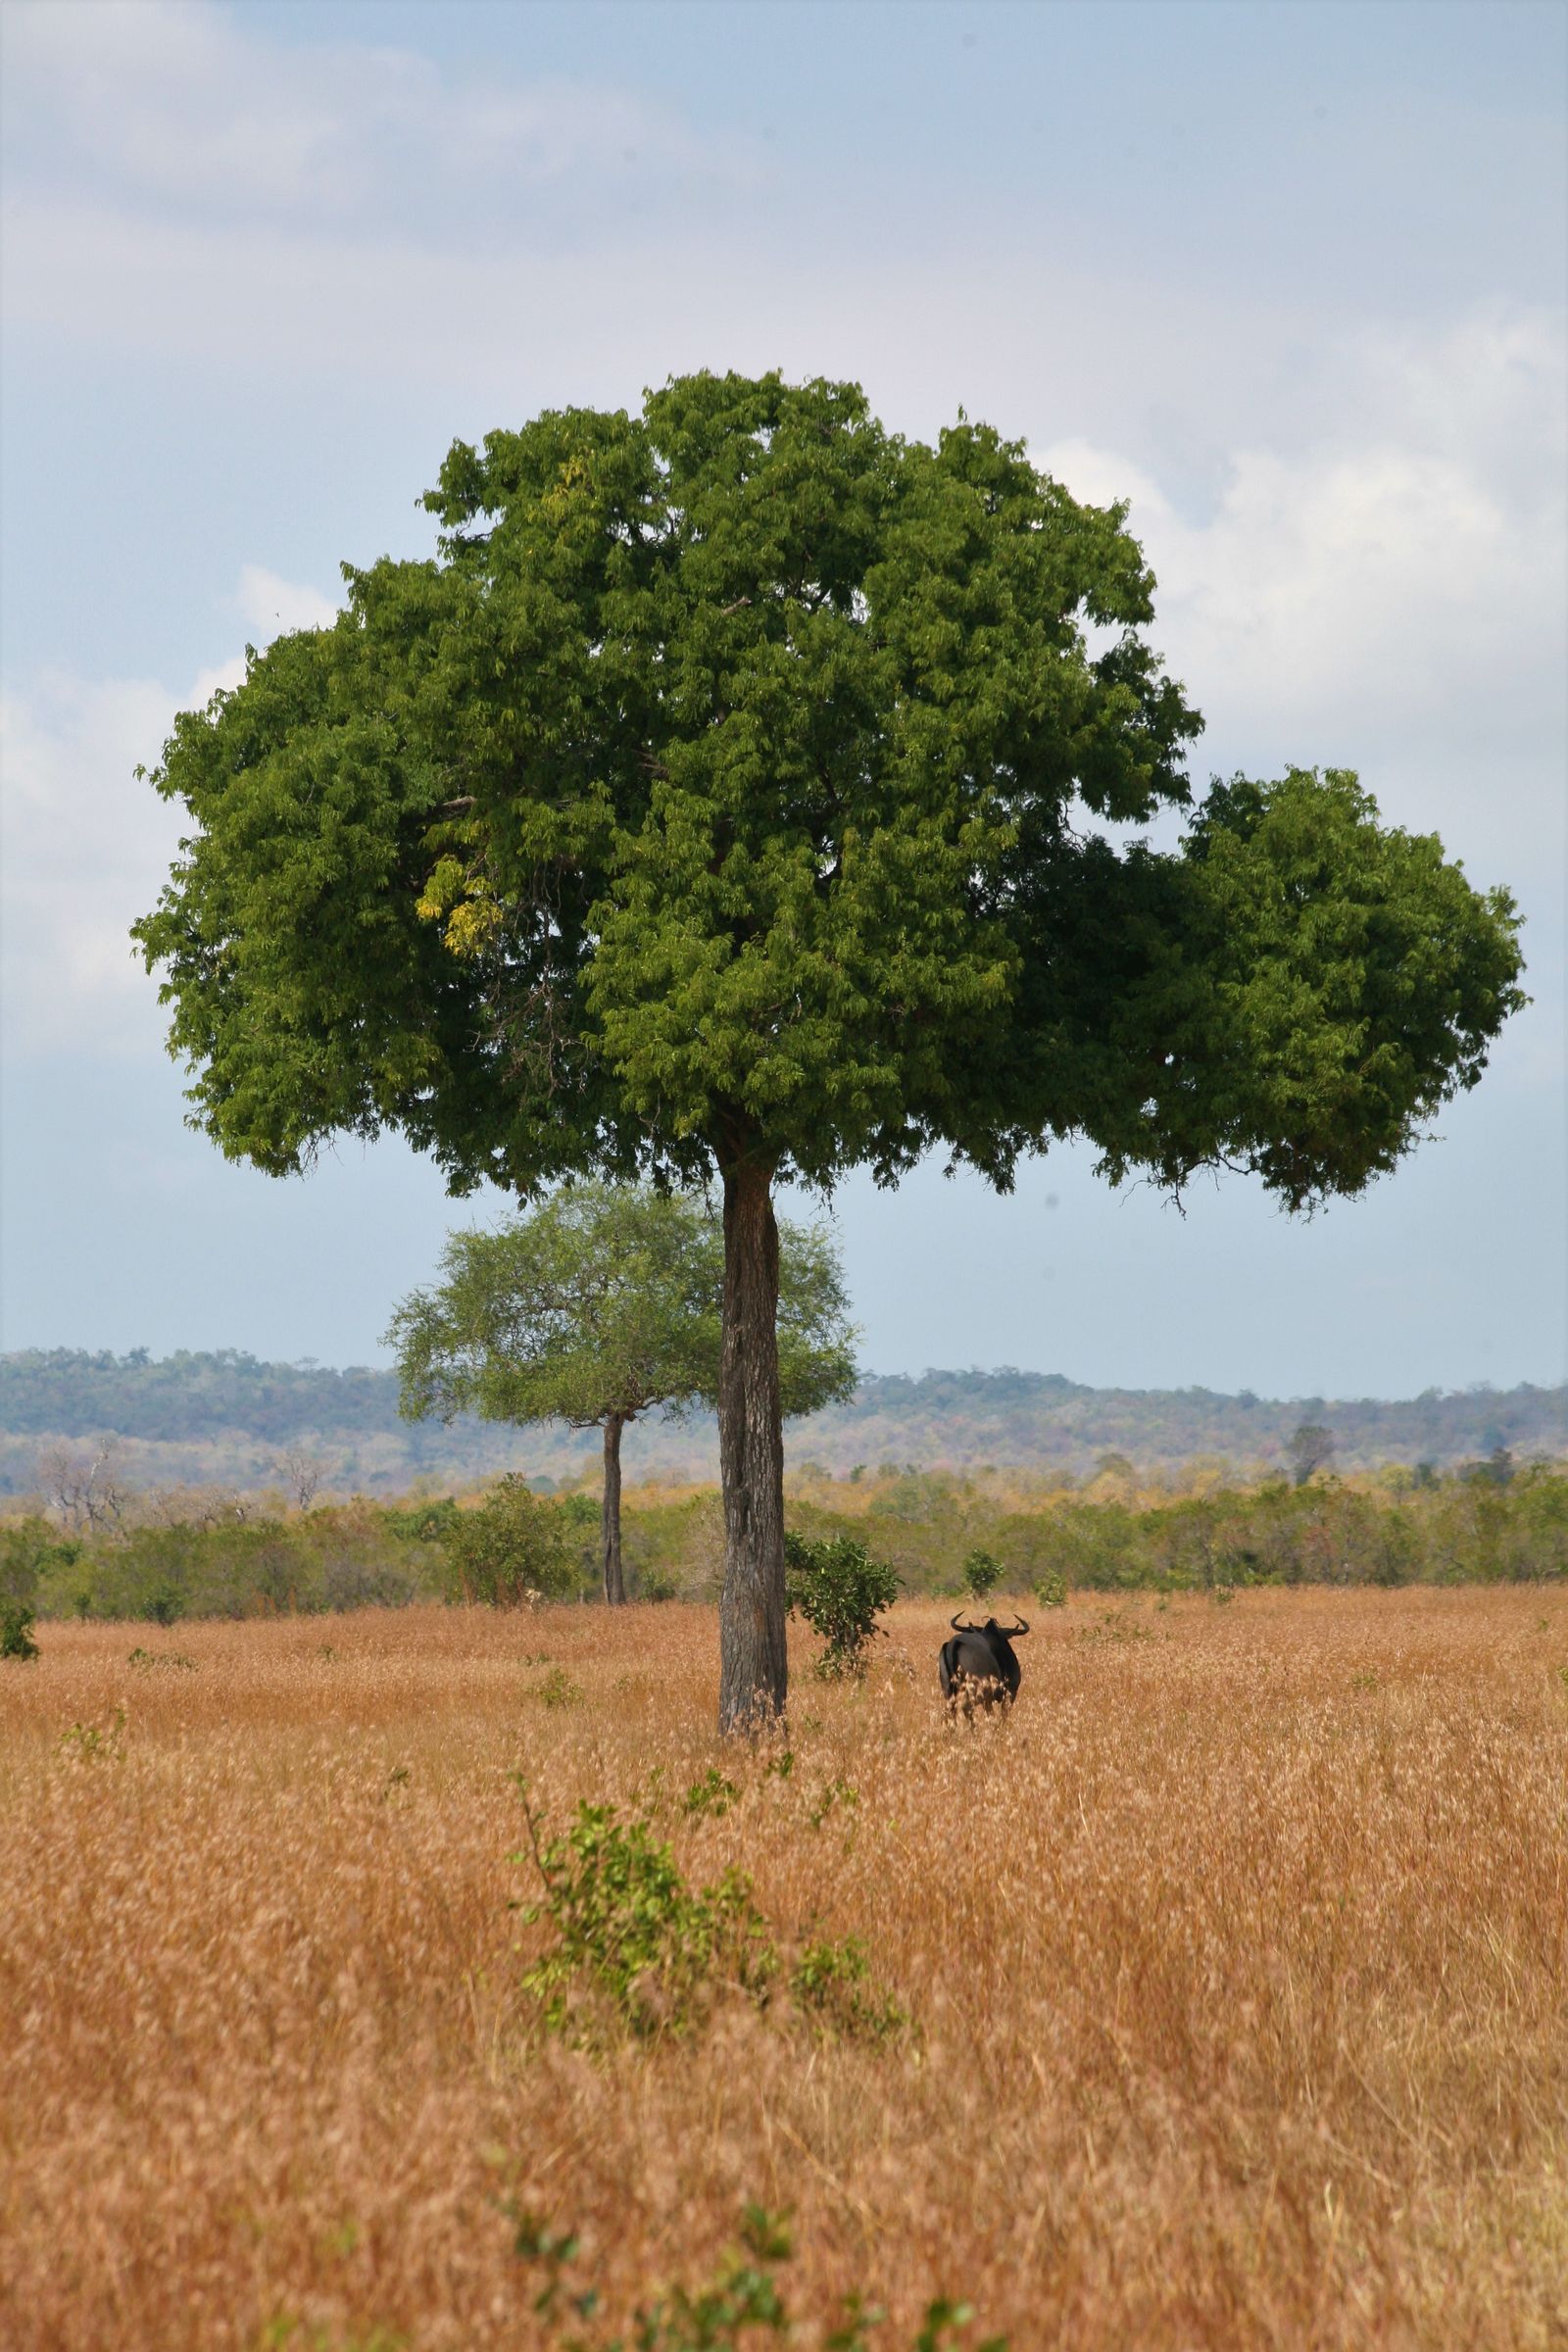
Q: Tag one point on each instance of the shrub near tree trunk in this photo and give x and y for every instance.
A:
(841, 1591)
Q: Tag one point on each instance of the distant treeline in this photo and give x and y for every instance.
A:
(1492, 1523)
(225, 1417)
(68, 1393)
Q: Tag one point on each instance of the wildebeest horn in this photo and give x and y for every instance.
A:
(1022, 1627)
(962, 1629)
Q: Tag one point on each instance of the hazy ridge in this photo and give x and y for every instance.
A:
(226, 1417)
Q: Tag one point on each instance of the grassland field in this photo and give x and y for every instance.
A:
(1233, 1967)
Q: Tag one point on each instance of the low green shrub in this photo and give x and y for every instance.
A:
(629, 1930)
(831, 1983)
(636, 1946)
(514, 1547)
(742, 2299)
(31, 1552)
(17, 1622)
(558, 1690)
(839, 1591)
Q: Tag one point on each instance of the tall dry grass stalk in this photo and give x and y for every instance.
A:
(1238, 1956)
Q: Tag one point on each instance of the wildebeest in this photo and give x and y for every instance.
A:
(977, 1666)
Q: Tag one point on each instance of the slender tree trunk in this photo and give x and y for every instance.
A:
(753, 1670)
(614, 1581)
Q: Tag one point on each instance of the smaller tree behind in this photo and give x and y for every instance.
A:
(599, 1305)
(1308, 1448)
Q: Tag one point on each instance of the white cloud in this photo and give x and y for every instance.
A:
(87, 845)
(173, 105)
(1391, 594)
(272, 605)
(86, 849)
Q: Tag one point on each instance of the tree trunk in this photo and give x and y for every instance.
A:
(753, 1670)
(614, 1581)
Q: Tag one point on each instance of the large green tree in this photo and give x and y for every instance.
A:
(601, 1306)
(721, 799)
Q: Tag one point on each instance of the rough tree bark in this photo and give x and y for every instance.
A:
(753, 1669)
(610, 1522)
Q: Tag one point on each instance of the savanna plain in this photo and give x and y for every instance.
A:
(1214, 1997)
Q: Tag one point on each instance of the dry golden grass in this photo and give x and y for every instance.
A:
(1238, 1957)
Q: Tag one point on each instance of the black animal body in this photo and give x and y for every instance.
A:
(978, 1667)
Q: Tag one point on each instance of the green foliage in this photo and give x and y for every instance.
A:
(15, 1632)
(424, 1522)
(741, 2296)
(719, 778)
(91, 1742)
(838, 1793)
(631, 1934)
(831, 1981)
(839, 1591)
(607, 1301)
(713, 1795)
(1051, 1589)
(558, 1690)
(160, 1661)
(289, 2333)
(629, 1929)
(981, 1574)
(1408, 1529)
(946, 2322)
(31, 1552)
(1333, 984)
(343, 1558)
(512, 1550)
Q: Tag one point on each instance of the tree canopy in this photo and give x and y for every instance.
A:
(725, 794)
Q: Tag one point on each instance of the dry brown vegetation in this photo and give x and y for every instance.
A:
(1238, 1960)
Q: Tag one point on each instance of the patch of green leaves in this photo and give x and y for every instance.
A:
(288, 2333)
(832, 1985)
(837, 1792)
(90, 1741)
(712, 1795)
(17, 1621)
(558, 1690)
(740, 2300)
(630, 1931)
(839, 1591)
(982, 1574)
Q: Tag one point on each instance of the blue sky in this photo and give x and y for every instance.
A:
(1289, 279)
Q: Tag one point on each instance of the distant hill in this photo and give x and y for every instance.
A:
(228, 1418)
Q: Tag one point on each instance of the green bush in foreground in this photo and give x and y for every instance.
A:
(742, 2298)
(634, 1942)
(629, 1929)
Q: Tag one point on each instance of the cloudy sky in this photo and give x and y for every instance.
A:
(1292, 278)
